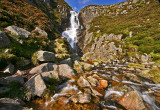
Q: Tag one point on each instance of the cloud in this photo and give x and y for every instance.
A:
(75, 8)
(83, 1)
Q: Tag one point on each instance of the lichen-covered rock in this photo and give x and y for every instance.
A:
(45, 56)
(43, 68)
(103, 83)
(9, 69)
(36, 85)
(4, 40)
(18, 31)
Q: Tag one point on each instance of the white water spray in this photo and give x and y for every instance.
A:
(71, 32)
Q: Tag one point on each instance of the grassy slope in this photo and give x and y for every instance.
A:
(143, 22)
(26, 16)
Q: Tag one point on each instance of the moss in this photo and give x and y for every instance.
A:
(16, 90)
(134, 65)
(6, 58)
(154, 74)
(34, 59)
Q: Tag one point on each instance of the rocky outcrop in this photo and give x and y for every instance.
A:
(18, 31)
(4, 40)
(41, 32)
(43, 68)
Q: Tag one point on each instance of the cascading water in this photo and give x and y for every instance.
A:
(71, 32)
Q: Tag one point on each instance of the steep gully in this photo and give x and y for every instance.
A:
(116, 74)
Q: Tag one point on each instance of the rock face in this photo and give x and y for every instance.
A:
(9, 69)
(36, 85)
(132, 101)
(4, 40)
(18, 31)
(45, 56)
(44, 68)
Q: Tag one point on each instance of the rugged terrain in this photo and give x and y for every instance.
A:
(120, 65)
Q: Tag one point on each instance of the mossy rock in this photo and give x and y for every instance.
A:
(34, 59)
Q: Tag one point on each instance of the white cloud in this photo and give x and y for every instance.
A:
(83, 1)
(75, 8)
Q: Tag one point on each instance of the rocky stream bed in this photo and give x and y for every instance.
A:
(107, 87)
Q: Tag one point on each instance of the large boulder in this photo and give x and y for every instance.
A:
(45, 56)
(44, 68)
(36, 85)
(65, 71)
(4, 40)
(132, 101)
(83, 82)
(18, 31)
(51, 74)
(9, 69)
(14, 78)
(11, 104)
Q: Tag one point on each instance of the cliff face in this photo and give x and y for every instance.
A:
(57, 10)
(120, 30)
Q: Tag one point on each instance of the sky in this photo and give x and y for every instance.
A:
(77, 5)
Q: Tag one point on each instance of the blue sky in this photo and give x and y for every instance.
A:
(79, 4)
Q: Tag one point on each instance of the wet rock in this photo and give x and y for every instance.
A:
(93, 81)
(65, 71)
(63, 100)
(41, 32)
(44, 68)
(132, 101)
(36, 85)
(4, 90)
(18, 31)
(87, 66)
(9, 69)
(51, 74)
(14, 78)
(4, 40)
(83, 82)
(84, 98)
(95, 92)
(74, 99)
(103, 83)
(45, 56)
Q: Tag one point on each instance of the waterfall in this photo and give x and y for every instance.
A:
(71, 33)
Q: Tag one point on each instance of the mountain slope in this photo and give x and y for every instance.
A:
(137, 21)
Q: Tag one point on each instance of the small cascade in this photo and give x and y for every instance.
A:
(71, 33)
